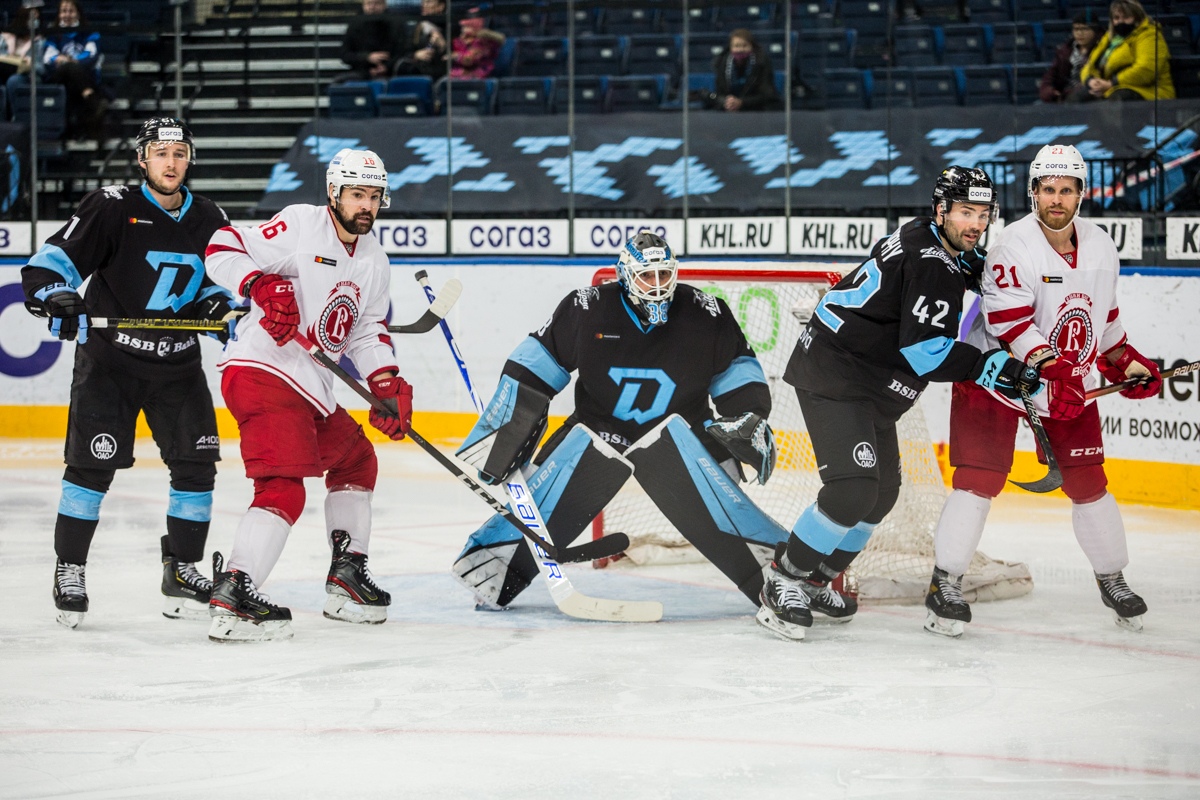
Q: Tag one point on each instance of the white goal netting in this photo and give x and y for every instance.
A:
(772, 306)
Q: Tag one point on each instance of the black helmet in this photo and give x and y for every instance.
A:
(963, 185)
(164, 129)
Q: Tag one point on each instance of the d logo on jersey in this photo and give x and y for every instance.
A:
(337, 320)
(168, 266)
(632, 382)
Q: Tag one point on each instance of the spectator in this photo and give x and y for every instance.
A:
(475, 48)
(1062, 76)
(1131, 60)
(372, 44)
(428, 42)
(72, 58)
(15, 46)
(744, 76)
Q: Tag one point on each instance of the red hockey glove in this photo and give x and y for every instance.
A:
(1132, 364)
(396, 394)
(276, 296)
(1065, 392)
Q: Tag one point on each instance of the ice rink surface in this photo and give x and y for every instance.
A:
(1044, 697)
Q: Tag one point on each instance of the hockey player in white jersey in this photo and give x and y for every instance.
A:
(1049, 297)
(312, 269)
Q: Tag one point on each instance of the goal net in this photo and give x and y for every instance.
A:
(772, 306)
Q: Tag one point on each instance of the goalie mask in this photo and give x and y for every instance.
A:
(1057, 161)
(357, 168)
(648, 271)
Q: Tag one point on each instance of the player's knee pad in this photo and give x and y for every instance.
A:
(1084, 484)
(285, 496)
(96, 480)
(193, 476)
(979, 481)
(571, 486)
(704, 504)
(884, 503)
(844, 501)
(359, 466)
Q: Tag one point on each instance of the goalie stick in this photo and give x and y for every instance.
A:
(1053, 478)
(436, 311)
(569, 600)
(1116, 387)
(586, 552)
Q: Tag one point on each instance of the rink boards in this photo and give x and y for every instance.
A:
(1152, 446)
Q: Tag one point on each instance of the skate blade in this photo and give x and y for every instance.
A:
(784, 630)
(184, 608)
(944, 627)
(1133, 624)
(228, 628)
(829, 619)
(70, 619)
(342, 609)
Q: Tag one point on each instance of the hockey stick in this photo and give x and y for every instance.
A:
(581, 553)
(1116, 387)
(436, 312)
(569, 600)
(1053, 478)
(423, 278)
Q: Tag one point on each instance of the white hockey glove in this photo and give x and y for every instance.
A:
(749, 439)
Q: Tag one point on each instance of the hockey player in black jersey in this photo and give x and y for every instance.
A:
(650, 353)
(143, 248)
(874, 342)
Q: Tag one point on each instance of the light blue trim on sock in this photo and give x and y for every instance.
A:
(818, 531)
(192, 506)
(857, 537)
(79, 502)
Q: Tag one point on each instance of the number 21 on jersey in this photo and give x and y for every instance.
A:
(850, 297)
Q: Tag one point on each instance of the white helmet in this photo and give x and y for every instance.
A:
(357, 168)
(1057, 160)
(648, 253)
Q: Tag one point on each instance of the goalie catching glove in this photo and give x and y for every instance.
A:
(504, 438)
(749, 439)
(1131, 364)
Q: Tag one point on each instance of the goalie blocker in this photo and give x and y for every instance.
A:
(582, 473)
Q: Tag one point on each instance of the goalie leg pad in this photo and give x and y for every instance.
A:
(708, 508)
(573, 484)
(507, 432)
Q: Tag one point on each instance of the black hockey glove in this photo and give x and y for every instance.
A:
(971, 263)
(998, 371)
(64, 306)
(749, 439)
(219, 308)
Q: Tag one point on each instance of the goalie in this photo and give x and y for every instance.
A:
(649, 354)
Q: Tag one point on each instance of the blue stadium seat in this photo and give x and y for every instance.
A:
(591, 94)
(701, 19)
(1037, 10)
(636, 92)
(1180, 33)
(892, 88)
(51, 111)
(751, 16)
(354, 100)
(871, 18)
(916, 45)
(631, 19)
(846, 88)
(702, 48)
(987, 85)
(984, 11)
(525, 95)
(653, 54)
(809, 15)
(774, 42)
(467, 96)
(600, 55)
(519, 22)
(418, 87)
(819, 50)
(558, 21)
(540, 56)
(1014, 43)
(1025, 81)
(966, 45)
(937, 86)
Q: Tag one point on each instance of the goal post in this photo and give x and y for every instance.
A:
(772, 303)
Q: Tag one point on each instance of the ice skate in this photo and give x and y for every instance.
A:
(352, 594)
(785, 604)
(185, 591)
(70, 593)
(824, 599)
(948, 609)
(240, 613)
(1126, 606)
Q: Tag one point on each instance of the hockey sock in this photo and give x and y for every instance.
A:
(348, 508)
(1101, 533)
(188, 516)
(852, 544)
(258, 543)
(959, 530)
(78, 516)
(814, 536)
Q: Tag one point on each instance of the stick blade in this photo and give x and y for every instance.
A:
(1052, 481)
(581, 606)
(446, 298)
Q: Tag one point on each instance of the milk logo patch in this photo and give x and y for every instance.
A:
(864, 455)
(103, 447)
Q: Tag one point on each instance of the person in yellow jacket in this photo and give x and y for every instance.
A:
(1131, 60)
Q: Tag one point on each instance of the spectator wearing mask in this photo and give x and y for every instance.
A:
(72, 58)
(372, 44)
(474, 50)
(1131, 60)
(745, 79)
(1061, 78)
